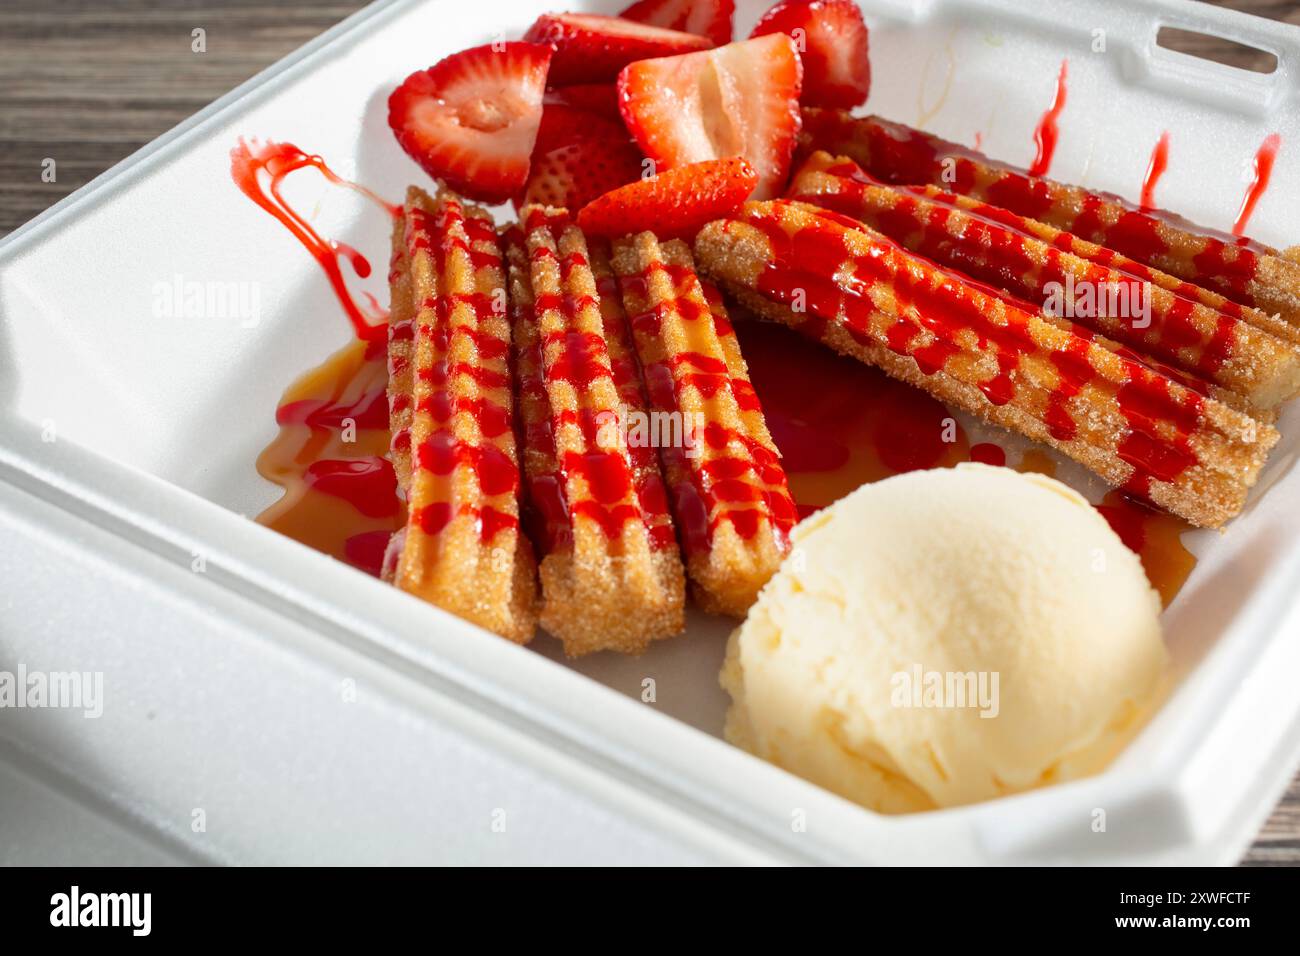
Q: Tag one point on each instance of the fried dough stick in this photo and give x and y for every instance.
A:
(612, 577)
(730, 499)
(865, 296)
(1245, 271)
(450, 410)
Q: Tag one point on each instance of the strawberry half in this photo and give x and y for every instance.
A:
(592, 49)
(674, 204)
(710, 18)
(741, 99)
(832, 41)
(471, 119)
(578, 157)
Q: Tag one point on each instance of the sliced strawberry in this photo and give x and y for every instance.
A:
(674, 204)
(471, 119)
(578, 157)
(832, 41)
(592, 49)
(709, 18)
(598, 98)
(741, 99)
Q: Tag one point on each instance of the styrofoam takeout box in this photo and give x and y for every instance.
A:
(280, 706)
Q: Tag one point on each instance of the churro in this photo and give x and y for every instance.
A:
(450, 411)
(1245, 271)
(1001, 249)
(611, 573)
(728, 489)
(865, 296)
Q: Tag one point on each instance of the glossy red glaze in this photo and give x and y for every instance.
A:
(1156, 167)
(990, 247)
(259, 171)
(736, 479)
(1263, 173)
(1048, 130)
(806, 264)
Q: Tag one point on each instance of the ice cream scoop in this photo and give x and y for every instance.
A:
(944, 637)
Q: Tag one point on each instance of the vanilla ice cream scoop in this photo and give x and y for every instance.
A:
(947, 636)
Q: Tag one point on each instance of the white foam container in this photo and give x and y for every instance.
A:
(225, 691)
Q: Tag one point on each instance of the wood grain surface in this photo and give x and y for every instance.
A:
(87, 82)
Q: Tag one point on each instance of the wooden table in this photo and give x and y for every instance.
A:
(87, 83)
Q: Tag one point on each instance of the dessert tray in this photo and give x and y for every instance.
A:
(265, 703)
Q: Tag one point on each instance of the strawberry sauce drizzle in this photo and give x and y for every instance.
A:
(990, 247)
(809, 260)
(900, 155)
(646, 476)
(621, 484)
(1048, 130)
(1263, 173)
(736, 479)
(1156, 167)
(259, 170)
(441, 388)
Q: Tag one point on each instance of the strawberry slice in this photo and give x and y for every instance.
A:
(832, 41)
(741, 99)
(592, 49)
(471, 119)
(674, 204)
(578, 157)
(598, 98)
(710, 18)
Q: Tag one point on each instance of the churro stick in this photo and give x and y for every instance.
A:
(450, 408)
(865, 296)
(997, 247)
(1245, 271)
(733, 509)
(647, 473)
(612, 577)
(1109, 258)
(401, 355)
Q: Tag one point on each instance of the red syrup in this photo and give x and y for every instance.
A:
(1156, 167)
(619, 488)
(259, 170)
(439, 380)
(340, 491)
(1161, 420)
(1263, 172)
(1048, 130)
(1002, 262)
(902, 156)
(737, 480)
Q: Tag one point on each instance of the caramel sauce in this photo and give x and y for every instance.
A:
(340, 492)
